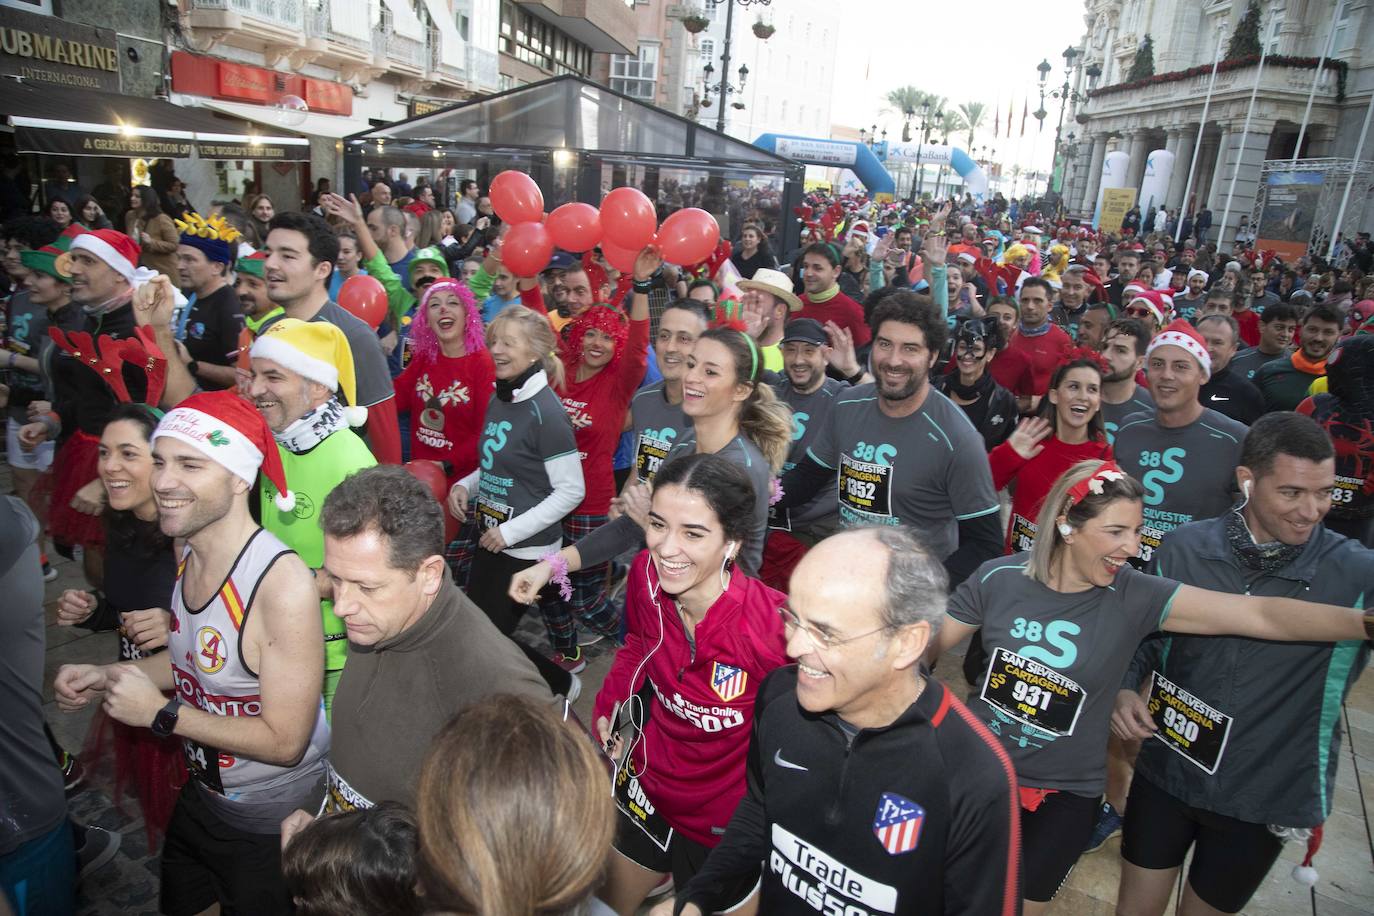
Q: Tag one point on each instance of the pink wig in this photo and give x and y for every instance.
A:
(424, 344)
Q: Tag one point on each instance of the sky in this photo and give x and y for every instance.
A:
(985, 51)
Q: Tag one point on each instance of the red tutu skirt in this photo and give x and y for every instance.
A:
(74, 466)
(134, 761)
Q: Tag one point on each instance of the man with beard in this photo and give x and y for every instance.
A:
(1124, 350)
(245, 667)
(1277, 764)
(300, 257)
(103, 279)
(298, 368)
(1127, 265)
(1227, 392)
(900, 452)
(767, 302)
(1285, 383)
(1073, 300)
(1187, 305)
(258, 309)
(1093, 324)
(822, 299)
(209, 324)
(804, 387)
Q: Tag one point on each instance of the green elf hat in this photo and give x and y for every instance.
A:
(252, 265)
(53, 259)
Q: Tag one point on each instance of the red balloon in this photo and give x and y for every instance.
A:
(364, 297)
(628, 218)
(688, 236)
(526, 249)
(622, 259)
(432, 476)
(516, 198)
(575, 227)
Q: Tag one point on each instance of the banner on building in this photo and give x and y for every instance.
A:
(45, 49)
(1115, 203)
(1290, 207)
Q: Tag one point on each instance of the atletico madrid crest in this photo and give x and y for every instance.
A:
(897, 823)
(727, 681)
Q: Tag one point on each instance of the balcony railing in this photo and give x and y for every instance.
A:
(399, 49)
(483, 70)
(449, 61)
(289, 13)
(345, 22)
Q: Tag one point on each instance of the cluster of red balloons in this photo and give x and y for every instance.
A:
(624, 225)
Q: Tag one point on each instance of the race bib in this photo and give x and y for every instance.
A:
(632, 800)
(865, 487)
(649, 454)
(1150, 538)
(491, 513)
(1032, 693)
(1022, 533)
(203, 763)
(339, 796)
(1346, 491)
(779, 519)
(1187, 725)
(128, 649)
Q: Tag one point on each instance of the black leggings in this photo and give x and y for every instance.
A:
(1052, 839)
(489, 587)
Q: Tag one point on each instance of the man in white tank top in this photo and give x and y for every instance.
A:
(244, 662)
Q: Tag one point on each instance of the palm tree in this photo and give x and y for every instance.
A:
(905, 101)
(973, 114)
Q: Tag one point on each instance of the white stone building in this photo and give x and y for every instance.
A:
(1167, 111)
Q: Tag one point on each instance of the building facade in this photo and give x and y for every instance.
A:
(1165, 111)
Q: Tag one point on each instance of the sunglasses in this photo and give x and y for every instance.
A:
(1139, 313)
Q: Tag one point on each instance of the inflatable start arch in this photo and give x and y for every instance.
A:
(859, 159)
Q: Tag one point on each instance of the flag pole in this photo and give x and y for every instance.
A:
(1312, 93)
(1197, 146)
(1244, 134)
(1350, 182)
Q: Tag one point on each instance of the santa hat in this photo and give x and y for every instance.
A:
(117, 250)
(254, 264)
(1181, 333)
(229, 431)
(859, 228)
(316, 350)
(1197, 273)
(1151, 298)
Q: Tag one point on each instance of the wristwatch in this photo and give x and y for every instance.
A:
(165, 722)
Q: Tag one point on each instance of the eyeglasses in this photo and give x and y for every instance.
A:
(1139, 313)
(791, 623)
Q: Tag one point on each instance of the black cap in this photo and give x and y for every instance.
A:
(562, 260)
(807, 330)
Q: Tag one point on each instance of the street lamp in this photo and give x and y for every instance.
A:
(927, 120)
(871, 136)
(724, 88)
(1065, 94)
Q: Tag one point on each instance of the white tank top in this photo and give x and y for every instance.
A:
(210, 673)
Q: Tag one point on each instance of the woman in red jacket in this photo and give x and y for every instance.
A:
(1067, 429)
(604, 355)
(703, 636)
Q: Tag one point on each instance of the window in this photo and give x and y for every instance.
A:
(1342, 33)
(708, 49)
(783, 117)
(636, 76)
(541, 45)
(1275, 24)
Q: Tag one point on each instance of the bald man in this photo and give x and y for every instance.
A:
(834, 804)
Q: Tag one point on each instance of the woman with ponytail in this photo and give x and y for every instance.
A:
(735, 415)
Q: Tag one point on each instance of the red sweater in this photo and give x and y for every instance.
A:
(597, 409)
(1034, 480)
(1043, 354)
(692, 755)
(447, 400)
(1249, 321)
(842, 310)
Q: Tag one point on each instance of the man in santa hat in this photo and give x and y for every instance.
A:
(298, 369)
(103, 269)
(243, 662)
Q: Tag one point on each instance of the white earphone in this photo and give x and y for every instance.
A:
(1065, 529)
(1245, 489)
(730, 549)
